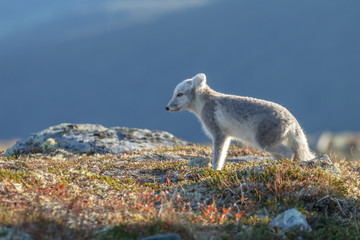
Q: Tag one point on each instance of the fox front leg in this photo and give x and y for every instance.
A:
(221, 146)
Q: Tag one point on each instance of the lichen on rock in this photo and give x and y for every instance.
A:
(91, 139)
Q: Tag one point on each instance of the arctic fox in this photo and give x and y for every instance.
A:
(262, 124)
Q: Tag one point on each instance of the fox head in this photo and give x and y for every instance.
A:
(185, 93)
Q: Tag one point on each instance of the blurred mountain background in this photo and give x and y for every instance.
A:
(116, 62)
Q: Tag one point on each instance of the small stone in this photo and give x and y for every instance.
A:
(169, 236)
(324, 162)
(291, 219)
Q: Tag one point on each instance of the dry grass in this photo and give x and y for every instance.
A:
(148, 192)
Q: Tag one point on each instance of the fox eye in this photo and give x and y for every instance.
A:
(179, 94)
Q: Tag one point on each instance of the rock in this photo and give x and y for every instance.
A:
(169, 236)
(91, 139)
(49, 145)
(322, 161)
(291, 219)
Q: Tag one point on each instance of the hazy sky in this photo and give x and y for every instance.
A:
(89, 17)
(116, 63)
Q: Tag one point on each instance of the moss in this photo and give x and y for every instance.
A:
(114, 183)
(15, 176)
(118, 232)
(332, 228)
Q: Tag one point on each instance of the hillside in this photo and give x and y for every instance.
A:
(167, 190)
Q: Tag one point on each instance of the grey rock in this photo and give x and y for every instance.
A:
(291, 219)
(92, 138)
(169, 236)
(323, 162)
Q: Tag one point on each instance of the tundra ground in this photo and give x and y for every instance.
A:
(147, 192)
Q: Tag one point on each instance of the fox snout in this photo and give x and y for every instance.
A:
(172, 108)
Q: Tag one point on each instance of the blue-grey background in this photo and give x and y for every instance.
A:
(116, 62)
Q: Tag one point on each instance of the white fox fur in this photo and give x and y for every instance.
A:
(259, 123)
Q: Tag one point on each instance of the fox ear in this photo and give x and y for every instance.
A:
(199, 80)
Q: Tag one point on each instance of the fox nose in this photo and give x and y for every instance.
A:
(167, 108)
